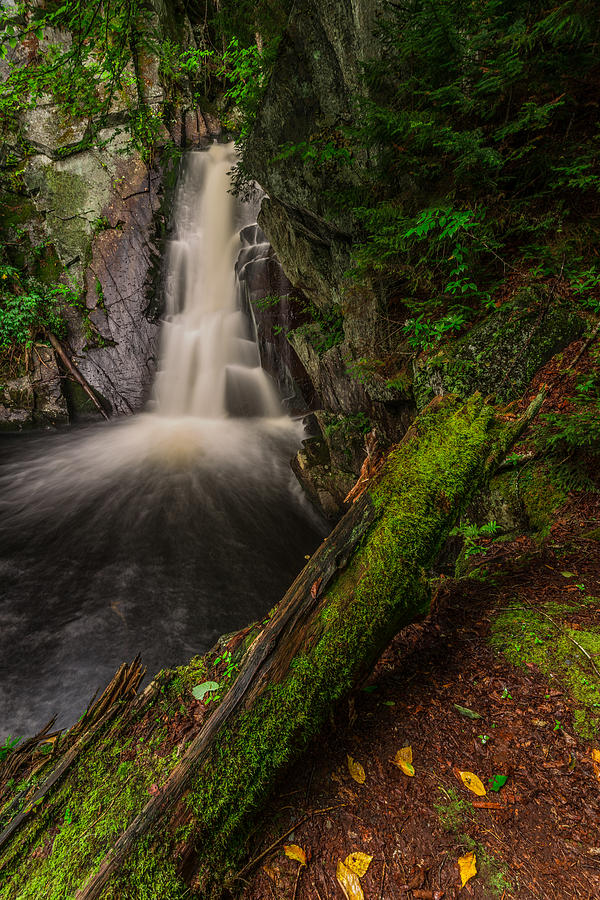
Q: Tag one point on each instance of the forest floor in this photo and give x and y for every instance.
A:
(538, 836)
(502, 679)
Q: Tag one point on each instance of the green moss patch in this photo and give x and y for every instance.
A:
(500, 355)
(525, 636)
(456, 816)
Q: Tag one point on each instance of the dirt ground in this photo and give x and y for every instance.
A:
(518, 645)
(538, 836)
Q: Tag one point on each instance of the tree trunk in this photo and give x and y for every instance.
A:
(366, 581)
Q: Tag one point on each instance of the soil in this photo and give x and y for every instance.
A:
(536, 837)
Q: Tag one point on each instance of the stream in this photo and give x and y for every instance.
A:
(156, 533)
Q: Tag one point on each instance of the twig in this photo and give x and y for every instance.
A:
(563, 631)
(75, 373)
(257, 859)
(586, 344)
(382, 881)
(300, 867)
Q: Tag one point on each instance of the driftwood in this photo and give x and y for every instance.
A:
(365, 582)
(122, 687)
(75, 373)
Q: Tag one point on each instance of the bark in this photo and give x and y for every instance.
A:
(367, 580)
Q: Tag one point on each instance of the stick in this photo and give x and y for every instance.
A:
(75, 373)
(563, 631)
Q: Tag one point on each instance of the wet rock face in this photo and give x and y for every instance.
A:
(16, 403)
(501, 355)
(275, 308)
(119, 360)
(99, 210)
(36, 398)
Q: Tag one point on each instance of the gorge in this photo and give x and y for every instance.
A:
(156, 534)
(299, 441)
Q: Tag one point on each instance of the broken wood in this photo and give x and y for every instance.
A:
(75, 373)
(367, 580)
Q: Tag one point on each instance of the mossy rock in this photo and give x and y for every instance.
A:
(527, 637)
(500, 355)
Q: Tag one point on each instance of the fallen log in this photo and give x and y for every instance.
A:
(75, 373)
(366, 581)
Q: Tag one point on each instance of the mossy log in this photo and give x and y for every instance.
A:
(158, 820)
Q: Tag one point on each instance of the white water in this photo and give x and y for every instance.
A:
(159, 532)
(210, 366)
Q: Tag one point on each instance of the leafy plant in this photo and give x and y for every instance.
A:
(29, 308)
(472, 534)
(8, 746)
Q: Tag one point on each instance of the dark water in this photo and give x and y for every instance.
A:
(150, 536)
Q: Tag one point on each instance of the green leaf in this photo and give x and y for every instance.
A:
(201, 690)
(497, 782)
(466, 712)
(568, 574)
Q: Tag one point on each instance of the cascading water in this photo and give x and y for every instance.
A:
(157, 533)
(210, 366)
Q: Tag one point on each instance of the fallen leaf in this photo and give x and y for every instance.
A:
(403, 759)
(596, 755)
(497, 782)
(271, 871)
(201, 689)
(356, 770)
(466, 867)
(293, 851)
(315, 588)
(358, 862)
(470, 780)
(464, 711)
(349, 882)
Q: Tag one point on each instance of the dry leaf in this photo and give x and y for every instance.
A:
(473, 783)
(403, 760)
(356, 770)
(349, 882)
(596, 762)
(293, 851)
(271, 871)
(358, 862)
(466, 866)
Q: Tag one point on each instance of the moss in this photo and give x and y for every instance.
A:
(79, 821)
(453, 811)
(525, 636)
(382, 588)
(68, 191)
(500, 355)
(456, 814)
(541, 497)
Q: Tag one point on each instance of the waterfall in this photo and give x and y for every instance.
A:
(210, 367)
(158, 532)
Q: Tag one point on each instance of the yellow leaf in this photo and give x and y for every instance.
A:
(293, 851)
(271, 872)
(358, 862)
(349, 882)
(467, 868)
(473, 783)
(403, 759)
(596, 755)
(356, 770)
